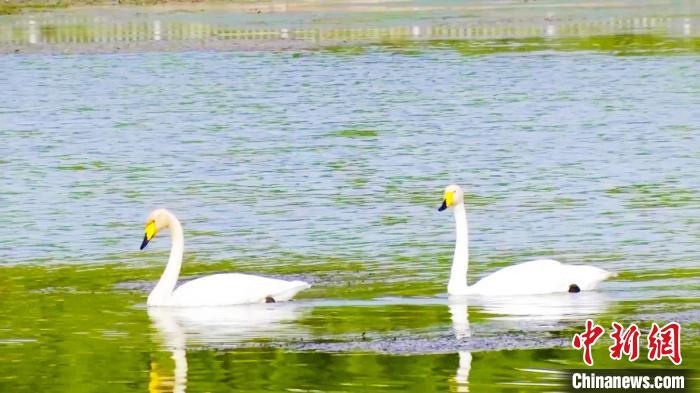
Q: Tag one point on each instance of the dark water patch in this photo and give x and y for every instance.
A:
(75, 167)
(392, 220)
(659, 274)
(17, 8)
(347, 50)
(618, 45)
(656, 195)
(415, 344)
(355, 133)
(359, 182)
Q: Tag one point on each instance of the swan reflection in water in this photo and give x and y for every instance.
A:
(226, 326)
(459, 313)
(553, 307)
(213, 326)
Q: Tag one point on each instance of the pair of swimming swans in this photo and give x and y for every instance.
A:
(528, 278)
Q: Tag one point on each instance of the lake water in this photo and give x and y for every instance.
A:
(329, 166)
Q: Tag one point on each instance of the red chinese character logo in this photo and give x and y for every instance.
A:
(626, 342)
(586, 339)
(665, 341)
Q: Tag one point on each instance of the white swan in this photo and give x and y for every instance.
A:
(214, 290)
(528, 278)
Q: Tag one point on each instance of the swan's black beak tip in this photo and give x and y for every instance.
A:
(144, 243)
(443, 206)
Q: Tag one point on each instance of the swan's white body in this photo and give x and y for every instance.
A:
(538, 277)
(234, 288)
(214, 290)
(530, 278)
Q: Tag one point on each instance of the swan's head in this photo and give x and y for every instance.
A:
(453, 196)
(157, 220)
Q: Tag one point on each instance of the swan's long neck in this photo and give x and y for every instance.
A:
(161, 293)
(460, 261)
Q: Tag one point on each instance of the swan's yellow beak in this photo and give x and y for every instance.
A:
(448, 201)
(150, 232)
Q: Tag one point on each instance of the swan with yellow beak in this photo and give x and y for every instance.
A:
(214, 290)
(528, 278)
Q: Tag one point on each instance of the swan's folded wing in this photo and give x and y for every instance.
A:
(235, 288)
(586, 277)
(539, 277)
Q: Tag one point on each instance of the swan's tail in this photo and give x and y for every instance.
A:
(290, 291)
(589, 276)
